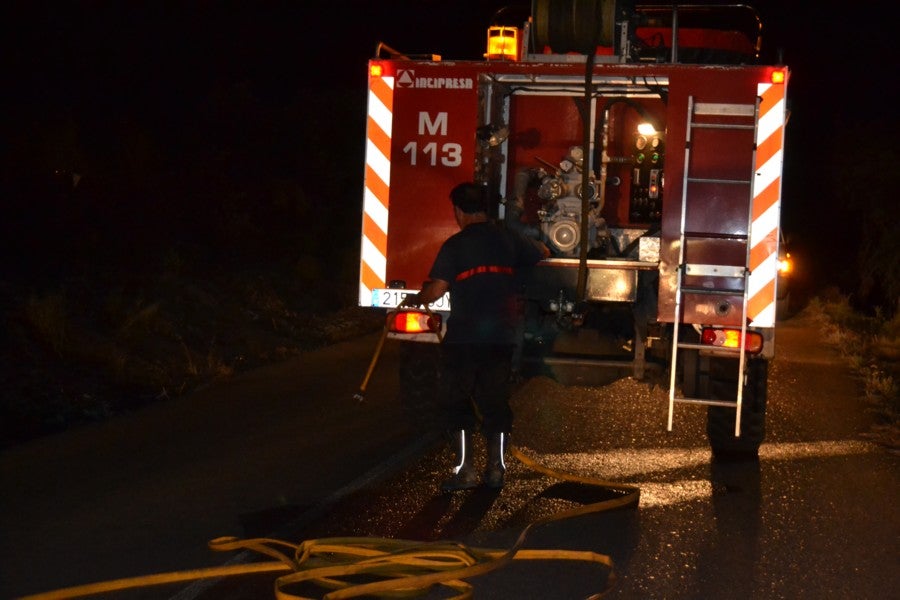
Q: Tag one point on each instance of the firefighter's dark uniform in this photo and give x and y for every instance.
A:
(484, 265)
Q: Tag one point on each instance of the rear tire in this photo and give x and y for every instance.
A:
(723, 381)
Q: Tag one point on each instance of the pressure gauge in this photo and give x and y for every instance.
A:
(654, 143)
(640, 142)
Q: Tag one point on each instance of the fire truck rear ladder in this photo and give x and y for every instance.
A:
(738, 116)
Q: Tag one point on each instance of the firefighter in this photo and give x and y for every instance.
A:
(482, 267)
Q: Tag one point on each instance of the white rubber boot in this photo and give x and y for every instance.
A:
(465, 476)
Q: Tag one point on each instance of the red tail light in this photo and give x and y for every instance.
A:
(414, 321)
(731, 338)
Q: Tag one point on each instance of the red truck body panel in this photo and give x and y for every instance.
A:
(423, 120)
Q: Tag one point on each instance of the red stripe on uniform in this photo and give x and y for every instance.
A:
(484, 269)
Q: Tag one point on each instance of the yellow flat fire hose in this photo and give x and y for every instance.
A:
(400, 568)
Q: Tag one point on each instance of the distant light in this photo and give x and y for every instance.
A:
(778, 76)
(376, 70)
(786, 264)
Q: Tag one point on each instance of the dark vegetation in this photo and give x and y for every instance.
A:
(871, 346)
(137, 276)
(177, 208)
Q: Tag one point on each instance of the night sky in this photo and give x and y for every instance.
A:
(278, 88)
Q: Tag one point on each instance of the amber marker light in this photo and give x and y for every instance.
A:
(502, 43)
(778, 76)
(376, 70)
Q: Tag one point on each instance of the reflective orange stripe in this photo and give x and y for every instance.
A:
(377, 184)
(484, 269)
(766, 210)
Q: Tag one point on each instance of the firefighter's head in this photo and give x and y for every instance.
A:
(470, 198)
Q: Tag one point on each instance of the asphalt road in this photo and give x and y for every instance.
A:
(144, 493)
(287, 452)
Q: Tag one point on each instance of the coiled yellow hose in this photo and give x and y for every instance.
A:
(400, 568)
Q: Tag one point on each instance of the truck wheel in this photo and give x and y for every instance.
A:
(723, 379)
(419, 372)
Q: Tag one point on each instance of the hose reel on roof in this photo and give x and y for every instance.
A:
(577, 25)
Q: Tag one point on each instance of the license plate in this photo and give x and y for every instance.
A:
(391, 298)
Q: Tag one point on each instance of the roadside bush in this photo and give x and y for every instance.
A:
(87, 350)
(871, 345)
(46, 316)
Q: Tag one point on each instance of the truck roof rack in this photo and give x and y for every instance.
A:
(695, 33)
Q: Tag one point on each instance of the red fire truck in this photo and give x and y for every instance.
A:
(642, 144)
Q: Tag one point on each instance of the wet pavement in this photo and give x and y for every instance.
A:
(813, 518)
(145, 492)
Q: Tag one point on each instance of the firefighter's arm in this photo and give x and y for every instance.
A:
(431, 291)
